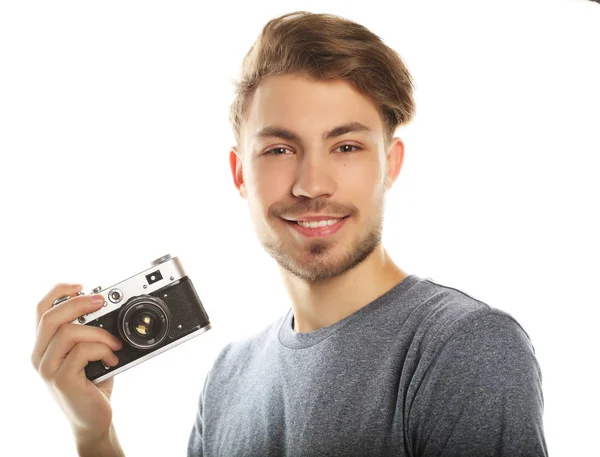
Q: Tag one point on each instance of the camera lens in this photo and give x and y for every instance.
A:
(144, 322)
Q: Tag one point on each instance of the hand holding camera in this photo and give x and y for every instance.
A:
(84, 340)
(61, 352)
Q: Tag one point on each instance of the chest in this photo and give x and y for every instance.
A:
(322, 406)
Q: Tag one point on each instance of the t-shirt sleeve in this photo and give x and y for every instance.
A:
(481, 394)
(194, 448)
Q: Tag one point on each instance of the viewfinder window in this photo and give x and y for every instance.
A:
(153, 277)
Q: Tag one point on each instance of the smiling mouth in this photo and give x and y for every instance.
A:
(322, 228)
(317, 224)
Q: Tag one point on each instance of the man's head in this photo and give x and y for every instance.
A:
(316, 107)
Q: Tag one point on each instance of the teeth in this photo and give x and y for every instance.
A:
(315, 224)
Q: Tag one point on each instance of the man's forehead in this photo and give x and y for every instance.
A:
(327, 109)
(284, 92)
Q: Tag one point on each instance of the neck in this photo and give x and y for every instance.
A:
(323, 303)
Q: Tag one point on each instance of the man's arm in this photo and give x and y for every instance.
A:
(481, 394)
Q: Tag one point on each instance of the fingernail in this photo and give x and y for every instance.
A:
(76, 287)
(97, 299)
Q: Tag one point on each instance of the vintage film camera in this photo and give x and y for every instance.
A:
(151, 312)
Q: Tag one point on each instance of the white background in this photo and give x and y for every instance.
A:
(114, 138)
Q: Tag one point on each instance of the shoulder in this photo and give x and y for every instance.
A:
(459, 336)
(473, 364)
(446, 314)
(454, 334)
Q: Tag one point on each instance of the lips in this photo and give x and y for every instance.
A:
(325, 231)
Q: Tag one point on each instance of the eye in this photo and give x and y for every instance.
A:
(276, 151)
(345, 148)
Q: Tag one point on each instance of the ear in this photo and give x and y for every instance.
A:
(395, 159)
(235, 163)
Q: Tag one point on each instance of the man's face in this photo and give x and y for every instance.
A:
(294, 164)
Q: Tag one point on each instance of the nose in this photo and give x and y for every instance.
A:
(314, 177)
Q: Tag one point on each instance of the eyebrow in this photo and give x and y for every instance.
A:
(286, 134)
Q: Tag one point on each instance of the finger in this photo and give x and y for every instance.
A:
(64, 313)
(72, 371)
(57, 291)
(65, 339)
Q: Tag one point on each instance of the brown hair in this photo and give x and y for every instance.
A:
(325, 46)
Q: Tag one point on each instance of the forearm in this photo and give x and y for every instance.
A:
(107, 446)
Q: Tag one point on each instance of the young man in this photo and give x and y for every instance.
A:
(370, 360)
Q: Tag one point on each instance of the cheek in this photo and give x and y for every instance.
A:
(269, 184)
(360, 178)
(362, 186)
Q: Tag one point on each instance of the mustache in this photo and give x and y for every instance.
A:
(313, 205)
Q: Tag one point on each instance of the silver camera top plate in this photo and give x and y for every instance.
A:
(164, 271)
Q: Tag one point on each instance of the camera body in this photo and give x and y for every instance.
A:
(151, 312)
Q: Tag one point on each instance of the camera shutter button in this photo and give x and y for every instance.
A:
(160, 260)
(97, 289)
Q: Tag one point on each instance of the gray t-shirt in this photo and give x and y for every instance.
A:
(423, 370)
